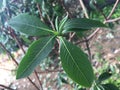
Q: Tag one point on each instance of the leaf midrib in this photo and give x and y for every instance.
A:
(44, 29)
(37, 55)
(74, 60)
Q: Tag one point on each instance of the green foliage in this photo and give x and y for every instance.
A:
(81, 24)
(36, 53)
(75, 62)
(29, 25)
(104, 76)
(109, 87)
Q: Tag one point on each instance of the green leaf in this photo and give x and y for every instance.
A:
(35, 54)
(62, 23)
(29, 25)
(81, 24)
(76, 64)
(104, 76)
(110, 87)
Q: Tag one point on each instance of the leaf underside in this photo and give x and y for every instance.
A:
(76, 64)
(35, 54)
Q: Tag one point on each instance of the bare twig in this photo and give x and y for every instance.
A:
(90, 37)
(38, 79)
(84, 8)
(16, 39)
(53, 27)
(9, 54)
(112, 20)
(33, 83)
(113, 9)
(71, 35)
(40, 12)
(8, 88)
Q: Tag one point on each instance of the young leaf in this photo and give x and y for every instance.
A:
(29, 25)
(110, 87)
(35, 54)
(56, 23)
(79, 24)
(76, 64)
(62, 23)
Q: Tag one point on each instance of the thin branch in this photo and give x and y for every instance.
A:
(40, 12)
(71, 35)
(53, 27)
(8, 88)
(40, 83)
(9, 54)
(16, 39)
(90, 37)
(113, 9)
(33, 83)
(84, 8)
(112, 20)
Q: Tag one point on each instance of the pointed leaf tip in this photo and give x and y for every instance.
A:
(35, 54)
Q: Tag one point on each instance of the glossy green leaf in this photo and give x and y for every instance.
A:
(35, 54)
(104, 76)
(29, 25)
(110, 87)
(76, 64)
(81, 24)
